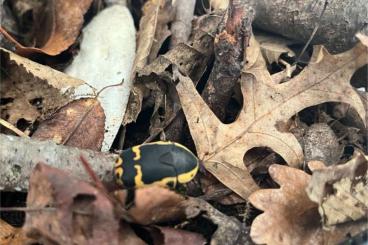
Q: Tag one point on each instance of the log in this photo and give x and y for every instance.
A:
(19, 155)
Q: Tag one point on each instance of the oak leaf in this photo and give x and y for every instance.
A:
(341, 191)
(290, 217)
(267, 108)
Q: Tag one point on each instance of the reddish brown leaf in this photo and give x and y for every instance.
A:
(80, 124)
(154, 204)
(62, 20)
(74, 211)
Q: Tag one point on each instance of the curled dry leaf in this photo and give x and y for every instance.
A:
(72, 211)
(267, 108)
(290, 217)
(341, 191)
(154, 204)
(153, 30)
(62, 20)
(79, 124)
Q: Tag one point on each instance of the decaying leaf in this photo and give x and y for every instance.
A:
(341, 191)
(72, 211)
(154, 205)
(12, 235)
(267, 108)
(58, 27)
(290, 217)
(230, 231)
(30, 90)
(79, 124)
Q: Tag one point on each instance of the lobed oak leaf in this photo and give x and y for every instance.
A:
(290, 217)
(267, 107)
(341, 191)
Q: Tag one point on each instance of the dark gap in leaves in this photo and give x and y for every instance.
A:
(348, 151)
(4, 101)
(360, 78)
(142, 233)
(202, 82)
(37, 102)
(13, 199)
(309, 115)
(201, 225)
(201, 7)
(23, 124)
(235, 105)
(135, 7)
(116, 143)
(258, 159)
(138, 132)
(165, 46)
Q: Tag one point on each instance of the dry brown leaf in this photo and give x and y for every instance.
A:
(267, 108)
(290, 217)
(79, 124)
(30, 90)
(341, 191)
(62, 20)
(272, 46)
(12, 235)
(154, 204)
(80, 213)
(229, 231)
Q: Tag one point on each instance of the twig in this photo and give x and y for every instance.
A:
(13, 128)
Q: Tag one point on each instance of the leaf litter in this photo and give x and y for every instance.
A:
(324, 207)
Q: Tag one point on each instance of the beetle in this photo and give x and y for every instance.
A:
(162, 163)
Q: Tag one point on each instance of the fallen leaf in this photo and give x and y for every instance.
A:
(79, 124)
(153, 30)
(71, 211)
(273, 46)
(12, 235)
(341, 191)
(112, 51)
(59, 26)
(31, 91)
(290, 217)
(171, 236)
(154, 204)
(229, 231)
(267, 107)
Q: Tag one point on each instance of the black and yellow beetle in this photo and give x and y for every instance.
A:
(158, 163)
